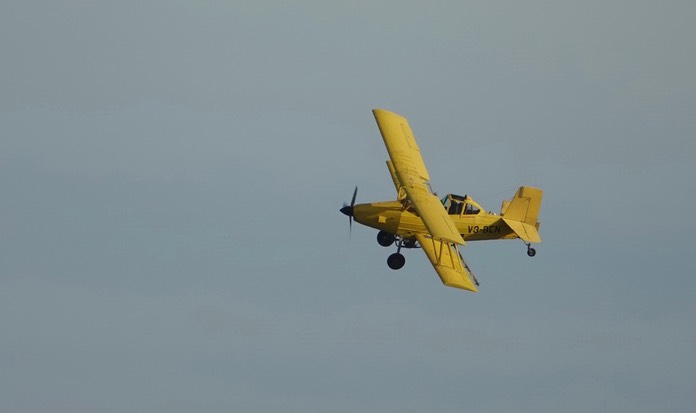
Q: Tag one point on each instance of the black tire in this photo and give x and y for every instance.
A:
(396, 261)
(385, 239)
(531, 252)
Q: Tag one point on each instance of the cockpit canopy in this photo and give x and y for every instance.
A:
(459, 205)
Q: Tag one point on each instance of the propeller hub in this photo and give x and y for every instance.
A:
(347, 210)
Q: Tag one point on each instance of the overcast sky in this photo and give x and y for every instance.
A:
(171, 174)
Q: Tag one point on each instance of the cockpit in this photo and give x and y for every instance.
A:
(459, 205)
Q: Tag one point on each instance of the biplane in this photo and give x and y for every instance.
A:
(418, 218)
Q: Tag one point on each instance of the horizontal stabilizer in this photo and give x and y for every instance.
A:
(523, 230)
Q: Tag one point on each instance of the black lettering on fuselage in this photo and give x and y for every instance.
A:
(485, 229)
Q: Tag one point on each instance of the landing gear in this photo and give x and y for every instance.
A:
(396, 261)
(530, 251)
(385, 239)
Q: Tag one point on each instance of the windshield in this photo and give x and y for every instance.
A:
(457, 205)
(445, 201)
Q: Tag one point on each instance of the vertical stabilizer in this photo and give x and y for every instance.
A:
(524, 206)
(521, 213)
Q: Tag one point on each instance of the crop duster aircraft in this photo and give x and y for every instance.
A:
(418, 218)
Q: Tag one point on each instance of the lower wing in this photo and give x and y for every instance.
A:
(448, 263)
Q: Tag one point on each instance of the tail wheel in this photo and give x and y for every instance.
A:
(531, 251)
(396, 261)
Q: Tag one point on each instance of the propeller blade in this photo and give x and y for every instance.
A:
(348, 210)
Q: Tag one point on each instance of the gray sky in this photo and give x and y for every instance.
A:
(171, 174)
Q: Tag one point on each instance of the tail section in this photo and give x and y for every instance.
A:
(522, 211)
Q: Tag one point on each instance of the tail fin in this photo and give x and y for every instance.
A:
(522, 211)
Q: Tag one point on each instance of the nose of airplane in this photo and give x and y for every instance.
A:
(347, 210)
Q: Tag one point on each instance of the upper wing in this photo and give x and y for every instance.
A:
(448, 263)
(412, 176)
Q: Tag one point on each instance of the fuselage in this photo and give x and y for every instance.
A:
(390, 216)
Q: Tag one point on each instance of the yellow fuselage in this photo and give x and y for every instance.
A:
(391, 217)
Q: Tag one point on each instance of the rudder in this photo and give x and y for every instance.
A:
(524, 206)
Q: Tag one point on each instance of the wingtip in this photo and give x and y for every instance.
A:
(462, 286)
(377, 112)
(384, 113)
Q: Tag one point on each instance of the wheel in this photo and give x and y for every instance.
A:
(396, 261)
(531, 252)
(385, 239)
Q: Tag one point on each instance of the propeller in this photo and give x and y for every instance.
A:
(348, 210)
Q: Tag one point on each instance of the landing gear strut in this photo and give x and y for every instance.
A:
(397, 260)
(530, 251)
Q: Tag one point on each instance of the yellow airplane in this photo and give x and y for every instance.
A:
(419, 219)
